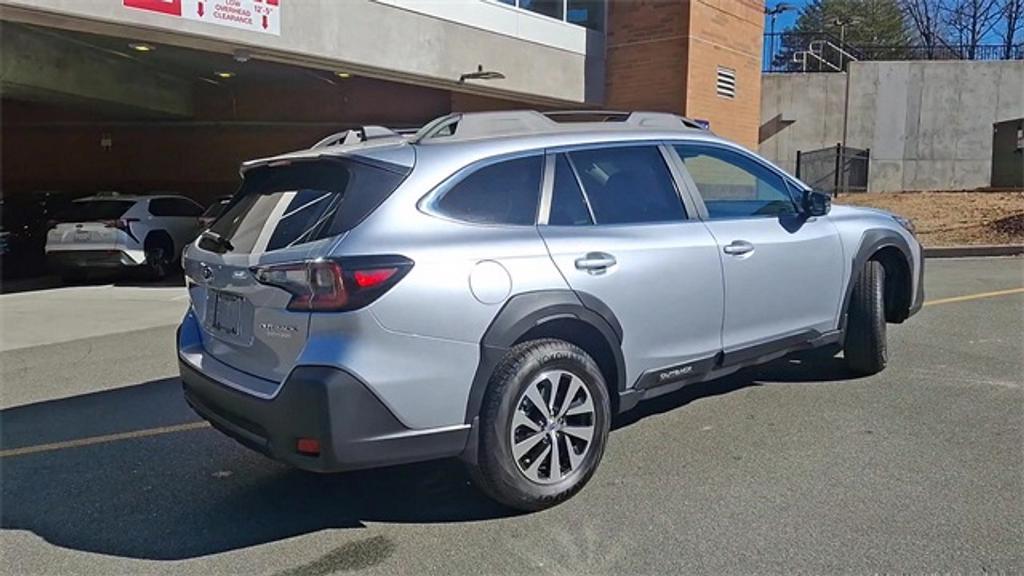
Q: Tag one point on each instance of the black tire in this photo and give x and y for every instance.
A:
(498, 473)
(865, 347)
(159, 256)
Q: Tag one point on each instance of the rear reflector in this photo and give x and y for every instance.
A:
(308, 446)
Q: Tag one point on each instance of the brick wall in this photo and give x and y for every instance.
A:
(646, 55)
(664, 54)
(726, 33)
(57, 147)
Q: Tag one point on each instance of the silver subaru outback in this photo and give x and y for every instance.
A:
(499, 285)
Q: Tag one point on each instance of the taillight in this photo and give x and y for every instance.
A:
(335, 285)
(123, 224)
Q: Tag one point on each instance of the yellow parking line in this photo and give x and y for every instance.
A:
(199, 425)
(103, 439)
(974, 296)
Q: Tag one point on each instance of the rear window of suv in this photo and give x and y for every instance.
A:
(302, 202)
(506, 192)
(94, 210)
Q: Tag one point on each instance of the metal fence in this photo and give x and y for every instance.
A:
(823, 52)
(834, 169)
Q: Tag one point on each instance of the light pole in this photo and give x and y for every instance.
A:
(842, 23)
(772, 13)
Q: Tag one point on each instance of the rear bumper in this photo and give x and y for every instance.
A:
(354, 428)
(89, 259)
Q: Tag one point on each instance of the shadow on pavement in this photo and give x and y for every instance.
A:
(808, 367)
(49, 282)
(193, 493)
(196, 492)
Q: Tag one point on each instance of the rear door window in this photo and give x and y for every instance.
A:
(505, 192)
(282, 206)
(568, 206)
(628, 185)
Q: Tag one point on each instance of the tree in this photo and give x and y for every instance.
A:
(868, 29)
(926, 19)
(1013, 22)
(970, 21)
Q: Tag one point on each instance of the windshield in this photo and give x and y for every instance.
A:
(94, 210)
(282, 206)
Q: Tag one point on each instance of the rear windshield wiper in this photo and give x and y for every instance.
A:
(220, 242)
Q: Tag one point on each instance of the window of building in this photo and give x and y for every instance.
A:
(586, 13)
(502, 193)
(552, 8)
(725, 85)
(628, 185)
(733, 185)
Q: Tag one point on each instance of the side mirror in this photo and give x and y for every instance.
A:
(816, 203)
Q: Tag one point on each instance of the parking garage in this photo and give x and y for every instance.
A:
(87, 113)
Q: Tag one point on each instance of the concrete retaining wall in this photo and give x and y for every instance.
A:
(928, 124)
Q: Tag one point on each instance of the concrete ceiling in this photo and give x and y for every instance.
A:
(104, 73)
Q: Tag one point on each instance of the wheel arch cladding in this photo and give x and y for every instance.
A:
(582, 320)
(892, 250)
(897, 283)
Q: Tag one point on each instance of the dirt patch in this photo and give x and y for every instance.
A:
(954, 218)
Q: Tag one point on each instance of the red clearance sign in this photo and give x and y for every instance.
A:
(172, 7)
(253, 15)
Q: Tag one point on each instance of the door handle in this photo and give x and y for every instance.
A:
(738, 248)
(595, 262)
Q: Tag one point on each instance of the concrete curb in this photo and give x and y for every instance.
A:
(973, 251)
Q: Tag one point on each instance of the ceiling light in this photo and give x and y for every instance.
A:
(141, 47)
(482, 74)
(342, 75)
(224, 75)
(241, 55)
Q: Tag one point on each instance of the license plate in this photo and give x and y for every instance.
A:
(81, 236)
(226, 311)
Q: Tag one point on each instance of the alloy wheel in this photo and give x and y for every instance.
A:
(553, 427)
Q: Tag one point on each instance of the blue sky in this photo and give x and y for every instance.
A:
(786, 19)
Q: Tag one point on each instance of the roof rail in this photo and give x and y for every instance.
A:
(479, 124)
(651, 119)
(356, 136)
(483, 124)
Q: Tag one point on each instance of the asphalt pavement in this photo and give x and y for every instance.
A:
(792, 467)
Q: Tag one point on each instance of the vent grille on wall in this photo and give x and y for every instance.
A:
(726, 83)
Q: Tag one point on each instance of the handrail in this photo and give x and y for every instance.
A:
(801, 58)
(822, 43)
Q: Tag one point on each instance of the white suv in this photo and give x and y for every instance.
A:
(106, 232)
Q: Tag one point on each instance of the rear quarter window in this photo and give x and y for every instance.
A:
(506, 192)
